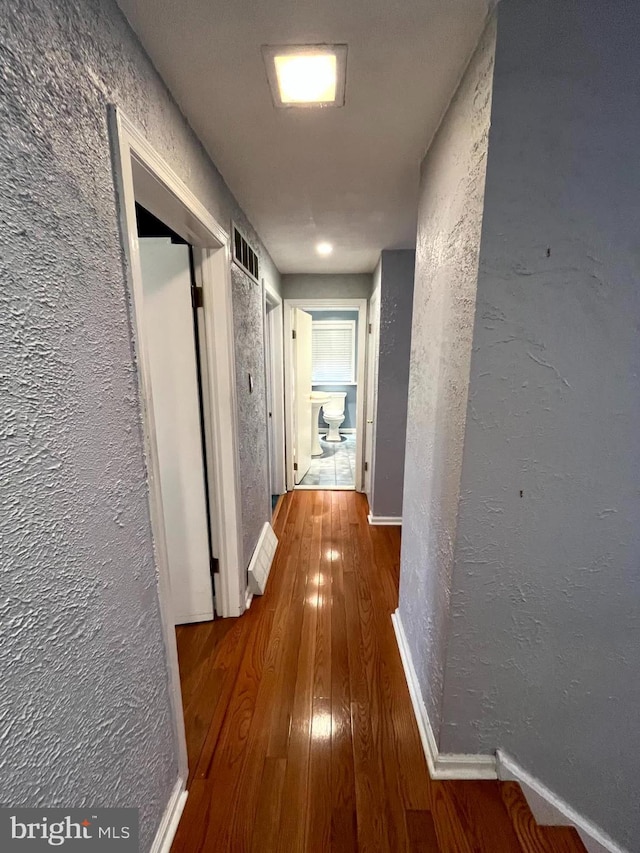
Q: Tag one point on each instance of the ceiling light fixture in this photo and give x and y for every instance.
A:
(324, 249)
(306, 79)
(306, 75)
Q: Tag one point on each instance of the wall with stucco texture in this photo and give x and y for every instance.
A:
(449, 220)
(248, 329)
(330, 286)
(85, 716)
(545, 631)
(397, 270)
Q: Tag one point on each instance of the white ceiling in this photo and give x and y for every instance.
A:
(346, 175)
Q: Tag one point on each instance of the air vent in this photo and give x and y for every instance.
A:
(244, 255)
(261, 560)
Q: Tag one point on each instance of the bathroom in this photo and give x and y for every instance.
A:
(334, 393)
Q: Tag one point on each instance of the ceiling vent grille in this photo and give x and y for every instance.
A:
(244, 255)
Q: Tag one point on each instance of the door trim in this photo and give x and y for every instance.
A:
(359, 305)
(197, 605)
(371, 405)
(274, 367)
(141, 174)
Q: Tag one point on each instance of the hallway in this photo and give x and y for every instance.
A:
(300, 730)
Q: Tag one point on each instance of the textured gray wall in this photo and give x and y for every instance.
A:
(85, 716)
(397, 269)
(545, 625)
(334, 286)
(248, 327)
(449, 220)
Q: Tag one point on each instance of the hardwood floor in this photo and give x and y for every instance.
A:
(300, 730)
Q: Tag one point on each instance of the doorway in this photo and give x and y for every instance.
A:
(325, 352)
(274, 371)
(373, 347)
(142, 176)
(171, 319)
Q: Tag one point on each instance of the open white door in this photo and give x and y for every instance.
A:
(372, 394)
(168, 322)
(302, 361)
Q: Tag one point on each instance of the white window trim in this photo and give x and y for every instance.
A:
(338, 324)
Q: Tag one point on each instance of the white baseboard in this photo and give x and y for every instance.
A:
(550, 810)
(441, 765)
(170, 819)
(202, 616)
(547, 808)
(302, 488)
(391, 520)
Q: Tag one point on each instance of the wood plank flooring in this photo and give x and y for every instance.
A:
(300, 730)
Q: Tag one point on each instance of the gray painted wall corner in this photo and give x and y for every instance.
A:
(546, 598)
(449, 221)
(329, 286)
(251, 402)
(396, 305)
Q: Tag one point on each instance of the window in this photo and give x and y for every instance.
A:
(334, 351)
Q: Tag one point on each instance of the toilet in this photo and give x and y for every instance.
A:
(333, 415)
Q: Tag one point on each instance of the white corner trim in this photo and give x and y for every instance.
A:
(170, 819)
(188, 618)
(547, 808)
(388, 520)
(445, 765)
(550, 810)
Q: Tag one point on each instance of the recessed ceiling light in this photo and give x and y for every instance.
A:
(306, 75)
(324, 249)
(307, 79)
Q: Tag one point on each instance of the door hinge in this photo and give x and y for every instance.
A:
(295, 466)
(366, 466)
(197, 297)
(214, 565)
(293, 334)
(370, 328)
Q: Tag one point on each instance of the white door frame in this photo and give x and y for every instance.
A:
(142, 175)
(274, 368)
(359, 305)
(371, 406)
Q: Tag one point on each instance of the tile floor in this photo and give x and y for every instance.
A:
(336, 466)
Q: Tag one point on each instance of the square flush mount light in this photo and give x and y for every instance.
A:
(310, 75)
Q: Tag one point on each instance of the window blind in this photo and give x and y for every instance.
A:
(333, 351)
